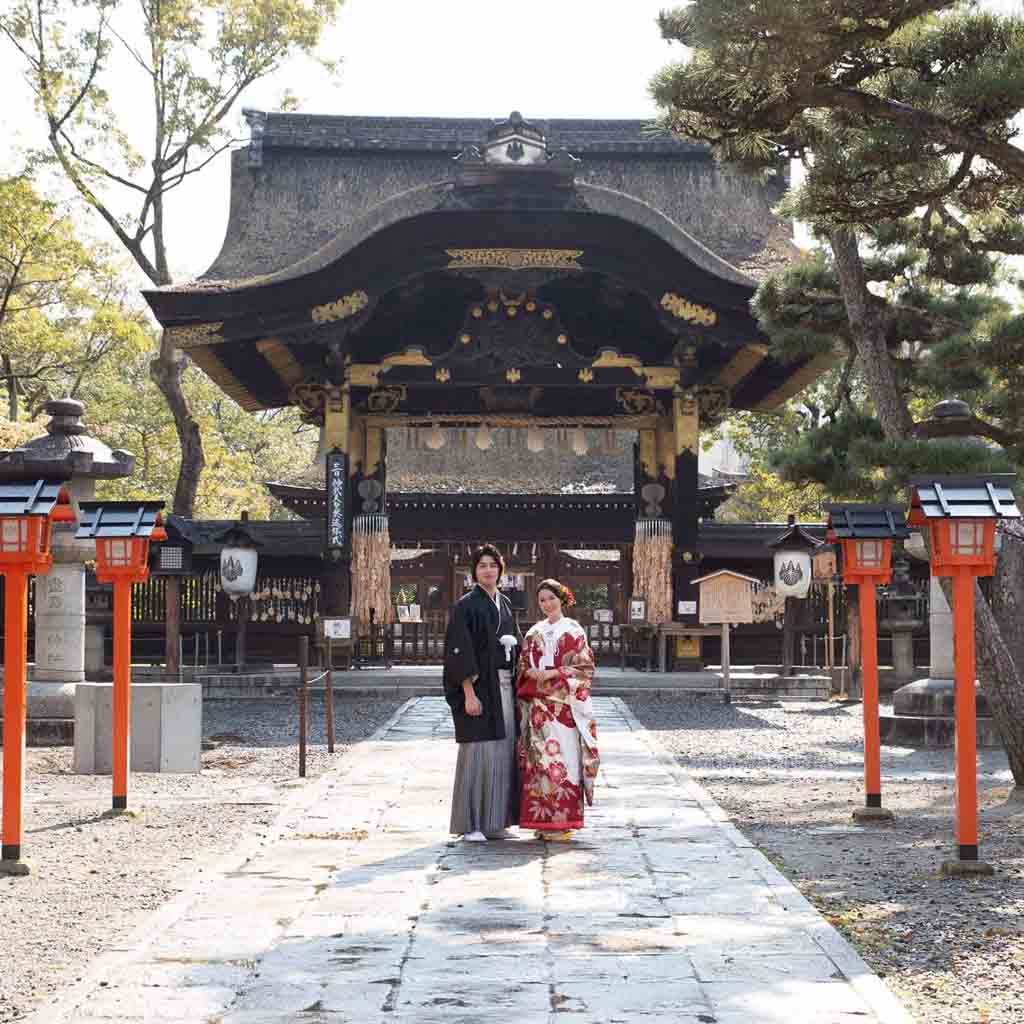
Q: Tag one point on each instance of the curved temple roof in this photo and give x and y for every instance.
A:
(361, 242)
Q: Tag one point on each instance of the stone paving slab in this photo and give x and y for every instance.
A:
(358, 906)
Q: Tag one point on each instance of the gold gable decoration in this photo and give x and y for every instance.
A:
(514, 259)
(683, 309)
(340, 309)
(193, 335)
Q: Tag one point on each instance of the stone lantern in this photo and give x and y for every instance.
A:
(66, 452)
(901, 619)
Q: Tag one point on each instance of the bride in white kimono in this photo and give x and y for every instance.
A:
(557, 747)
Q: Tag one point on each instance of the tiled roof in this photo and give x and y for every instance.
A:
(452, 134)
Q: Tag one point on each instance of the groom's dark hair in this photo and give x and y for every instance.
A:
(483, 551)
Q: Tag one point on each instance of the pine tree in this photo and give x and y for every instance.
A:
(903, 116)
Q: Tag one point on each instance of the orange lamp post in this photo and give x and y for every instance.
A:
(866, 533)
(960, 513)
(27, 512)
(123, 531)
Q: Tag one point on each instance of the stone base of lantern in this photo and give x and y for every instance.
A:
(50, 714)
(966, 868)
(924, 713)
(872, 815)
(51, 700)
(166, 727)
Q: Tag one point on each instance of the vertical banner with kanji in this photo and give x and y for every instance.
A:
(337, 503)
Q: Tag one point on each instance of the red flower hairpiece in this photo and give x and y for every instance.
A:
(568, 597)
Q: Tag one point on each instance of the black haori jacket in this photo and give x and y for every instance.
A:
(471, 648)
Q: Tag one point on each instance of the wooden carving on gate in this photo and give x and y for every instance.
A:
(509, 331)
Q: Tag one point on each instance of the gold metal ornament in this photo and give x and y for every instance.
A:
(586, 375)
(513, 375)
(340, 309)
(385, 400)
(713, 403)
(443, 375)
(191, 335)
(660, 377)
(683, 309)
(636, 402)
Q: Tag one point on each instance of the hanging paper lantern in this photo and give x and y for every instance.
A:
(792, 572)
(535, 440)
(792, 554)
(238, 570)
(484, 439)
(579, 441)
(435, 438)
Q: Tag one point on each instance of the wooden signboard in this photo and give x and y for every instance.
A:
(726, 596)
(823, 565)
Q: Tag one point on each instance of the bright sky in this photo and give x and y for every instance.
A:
(466, 58)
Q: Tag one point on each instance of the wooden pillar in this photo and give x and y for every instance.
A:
(966, 739)
(15, 705)
(789, 636)
(869, 648)
(172, 620)
(336, 574)
(686, 437)
(122, 697)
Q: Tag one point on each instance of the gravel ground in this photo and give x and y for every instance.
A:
(94, 880)
(789, 775)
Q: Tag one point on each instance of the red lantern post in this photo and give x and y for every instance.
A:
(123, 531)
(866, 533)
(27, 512)
(960, 513)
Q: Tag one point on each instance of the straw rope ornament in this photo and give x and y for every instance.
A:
(371, 568)
(652, 568)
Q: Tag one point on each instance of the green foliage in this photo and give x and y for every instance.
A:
(242, 449)
(194, 58)
(904, 116)
(65, 312)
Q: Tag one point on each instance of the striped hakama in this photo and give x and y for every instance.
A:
(486, 777)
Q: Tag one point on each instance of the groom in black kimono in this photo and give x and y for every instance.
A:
(473, 654)
(480, 659)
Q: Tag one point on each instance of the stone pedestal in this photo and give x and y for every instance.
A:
(166, 727)
(940, 633)
(60, 625)
(95, 664)
(924, 711)
(903, 651)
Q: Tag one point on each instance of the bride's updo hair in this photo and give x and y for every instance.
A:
(560, 590)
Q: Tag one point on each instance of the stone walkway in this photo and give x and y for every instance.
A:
(358, 906)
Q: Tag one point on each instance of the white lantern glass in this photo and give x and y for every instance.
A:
(238, 571)
(869, 554)
(14, 536)
(967, 538)
(535, 440)
(579, 441)
(484, 439)
(792, 572)
(118, 552)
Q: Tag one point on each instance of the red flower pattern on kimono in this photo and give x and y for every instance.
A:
(557, 746)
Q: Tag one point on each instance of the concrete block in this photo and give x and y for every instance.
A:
(166, 727)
